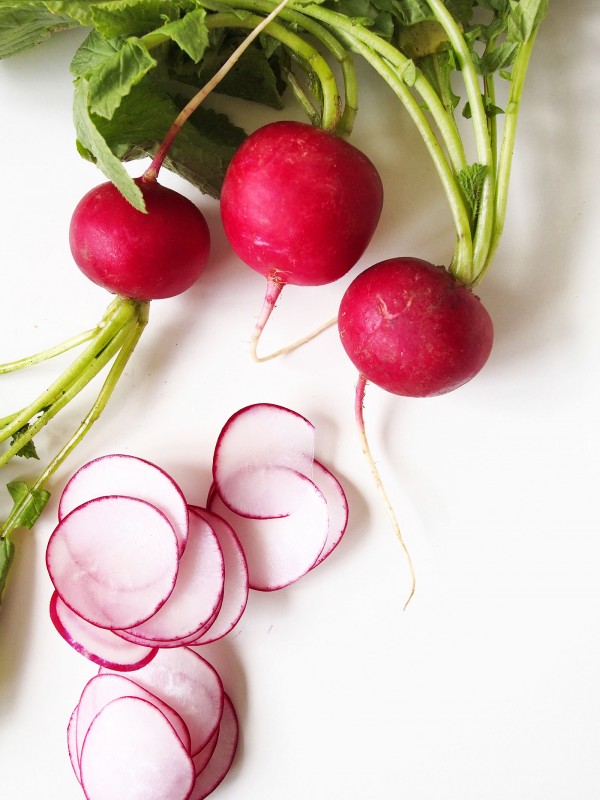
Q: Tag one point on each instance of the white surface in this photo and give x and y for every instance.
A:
(487, 686)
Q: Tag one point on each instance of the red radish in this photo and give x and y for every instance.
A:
(280, 550)
(258, 436)
(132, 752)
(190, 686)
(212, 774)
(111, 586)
(103, 647)
(198, 592)
(235, 590)
(413, 329)
(299, 205)
(102, 689)
(144, 256)
(118, 474)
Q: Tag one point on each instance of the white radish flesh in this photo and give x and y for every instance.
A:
(222, 758)
(99, 645)
(102, 689)
(131, 752)
(130, 476)
(258, 437)
(190, 686)
(72, 743)
(337, 506)
(94, 561)
(198, 592)
(281, 550)
(235, 594)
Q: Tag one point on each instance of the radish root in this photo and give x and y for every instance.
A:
(358, 408)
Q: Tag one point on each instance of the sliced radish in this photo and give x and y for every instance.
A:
(337, 506)
(131, 752)
(222, 758)
(113, 561)
(130, 476)
(102, 689)
(198, 592)
(235, 594)
(256, 438)
(190, 685)
(99, 645)
(202, 758)
(72, 743)
(281, 550)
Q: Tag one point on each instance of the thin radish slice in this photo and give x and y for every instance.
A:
(99, 645)
(72, 743)
(102, 689)
(131, 752)
(198, 591)
(337, 505)
(257, 437)
(190, 685)
(113, 561)
(182, 641)
(222, 758)
(202, 758)
(281, 550)
(235, 595)
(129, 476)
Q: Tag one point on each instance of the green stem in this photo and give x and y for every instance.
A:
(128, 343)
(118, 316)
(509, 132)
(46, 355)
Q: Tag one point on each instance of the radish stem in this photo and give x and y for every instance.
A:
(358, 408)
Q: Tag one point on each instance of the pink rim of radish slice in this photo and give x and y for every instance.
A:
(235, 592)
(130, 476)
(102, 689)
(191, 686)
(198, 593)
(99, 645)
(202, 758)
(254, 438)
(222, 758)
(72, 743)
(111, 585)
(281, 550)
(132, 752)
(337, 505)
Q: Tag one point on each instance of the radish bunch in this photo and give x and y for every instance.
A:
(169, 733)
(140, 577)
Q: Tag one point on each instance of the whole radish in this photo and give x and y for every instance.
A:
(144, 256)
(413, 329)
(299, 205)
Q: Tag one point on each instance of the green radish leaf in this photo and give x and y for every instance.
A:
(28, 450)
(92, 145)
(189, 33)
(32, 504)
(471, 180)
(524, 18)
(131, 17)
(26, 25)
(7, 552)
(113, 79)
(79, 10)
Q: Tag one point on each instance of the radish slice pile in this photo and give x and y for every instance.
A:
(287, 509)
(169, 733)
(140, 578)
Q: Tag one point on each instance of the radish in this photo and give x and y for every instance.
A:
(299, 205)
(413, 329)
(209, 775)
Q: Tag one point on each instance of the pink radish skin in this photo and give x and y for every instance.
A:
(300, 205)
(99, 645)
(131, 752)
(235, 594)
(260, 436)
(191, 686)
(221, 760)
(413, 329)
(102, 689)
(198, 593)
(125, 475)
(72, 743)
(111, 586)
(281, 550)
(144, 256)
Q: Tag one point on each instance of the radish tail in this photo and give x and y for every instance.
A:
(358, 409)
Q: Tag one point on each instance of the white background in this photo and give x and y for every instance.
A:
(487, 686)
